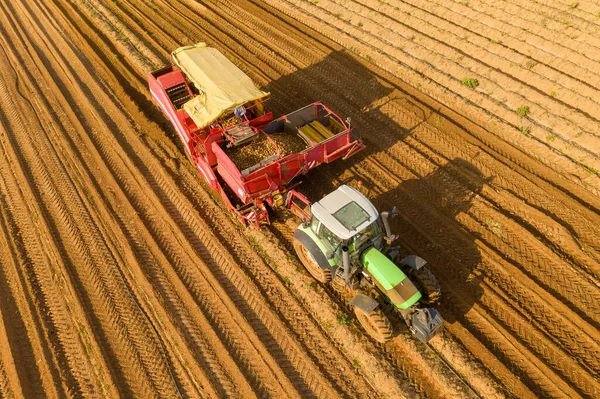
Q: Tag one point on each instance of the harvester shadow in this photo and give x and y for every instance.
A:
(433, 224)
(379, 109)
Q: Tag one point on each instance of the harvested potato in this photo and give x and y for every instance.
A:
(252, 152)
(260, 148)
(288, 143)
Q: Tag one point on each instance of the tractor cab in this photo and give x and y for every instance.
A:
(347, 218)
(348, 243)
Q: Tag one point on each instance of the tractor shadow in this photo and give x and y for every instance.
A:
(433, 223)
(432, 207)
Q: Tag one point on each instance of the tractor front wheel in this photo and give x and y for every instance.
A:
(427, 284)
(311, 264)
(376, 324)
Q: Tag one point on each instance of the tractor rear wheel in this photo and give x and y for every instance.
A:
(427, 284)
(311, 264)
(376, 324)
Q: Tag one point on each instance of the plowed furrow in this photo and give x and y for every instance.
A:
(509, 75)
(520, 13)
(551, 272)
(489, 235)
(71, 350)
(554, 219)
(536, 44)
(246, 298)
(536, 313)
(9, 382)
(550, 220)
(22, 313)
(540, 344)
(82, 243)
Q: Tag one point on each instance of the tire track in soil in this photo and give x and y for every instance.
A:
(42, 378)
(98, 287)
(67, 349)
(9, 379)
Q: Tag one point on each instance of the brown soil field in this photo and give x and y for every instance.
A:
(122, 275)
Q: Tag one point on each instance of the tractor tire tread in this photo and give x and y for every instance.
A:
(379, 322)
(426, 282)
(321, 275)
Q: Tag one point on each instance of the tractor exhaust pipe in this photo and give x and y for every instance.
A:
(346, 263)
(385, 216)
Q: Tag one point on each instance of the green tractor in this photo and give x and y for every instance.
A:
(348, 244)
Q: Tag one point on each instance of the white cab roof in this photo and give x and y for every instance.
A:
(362, 213)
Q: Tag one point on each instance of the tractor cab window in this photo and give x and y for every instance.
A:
(314, 224)
(328, 236)
(351, 215)
(371, 232)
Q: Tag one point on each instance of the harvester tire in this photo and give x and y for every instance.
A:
(427, 284)
(376, 324)
(311, 264)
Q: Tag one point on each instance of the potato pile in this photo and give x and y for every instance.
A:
(288, 143)
(229, 121)
(251, 153)
(261, 147)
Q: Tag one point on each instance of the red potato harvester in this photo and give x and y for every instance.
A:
(231, 137)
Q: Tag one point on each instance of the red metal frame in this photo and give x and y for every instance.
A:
(268, 184)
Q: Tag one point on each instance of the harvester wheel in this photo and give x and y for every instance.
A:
(376, 324)
(427, 284)
(311, 264)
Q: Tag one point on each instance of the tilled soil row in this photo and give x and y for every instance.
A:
(201, 304)
(440, 77)
(91, 265)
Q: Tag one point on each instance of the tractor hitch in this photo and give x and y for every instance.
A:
(426, 323)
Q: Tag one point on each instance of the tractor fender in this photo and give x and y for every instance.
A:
(364, 303)
(413, 261)
(313, 248)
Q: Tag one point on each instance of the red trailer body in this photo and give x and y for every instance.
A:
(324, 138)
